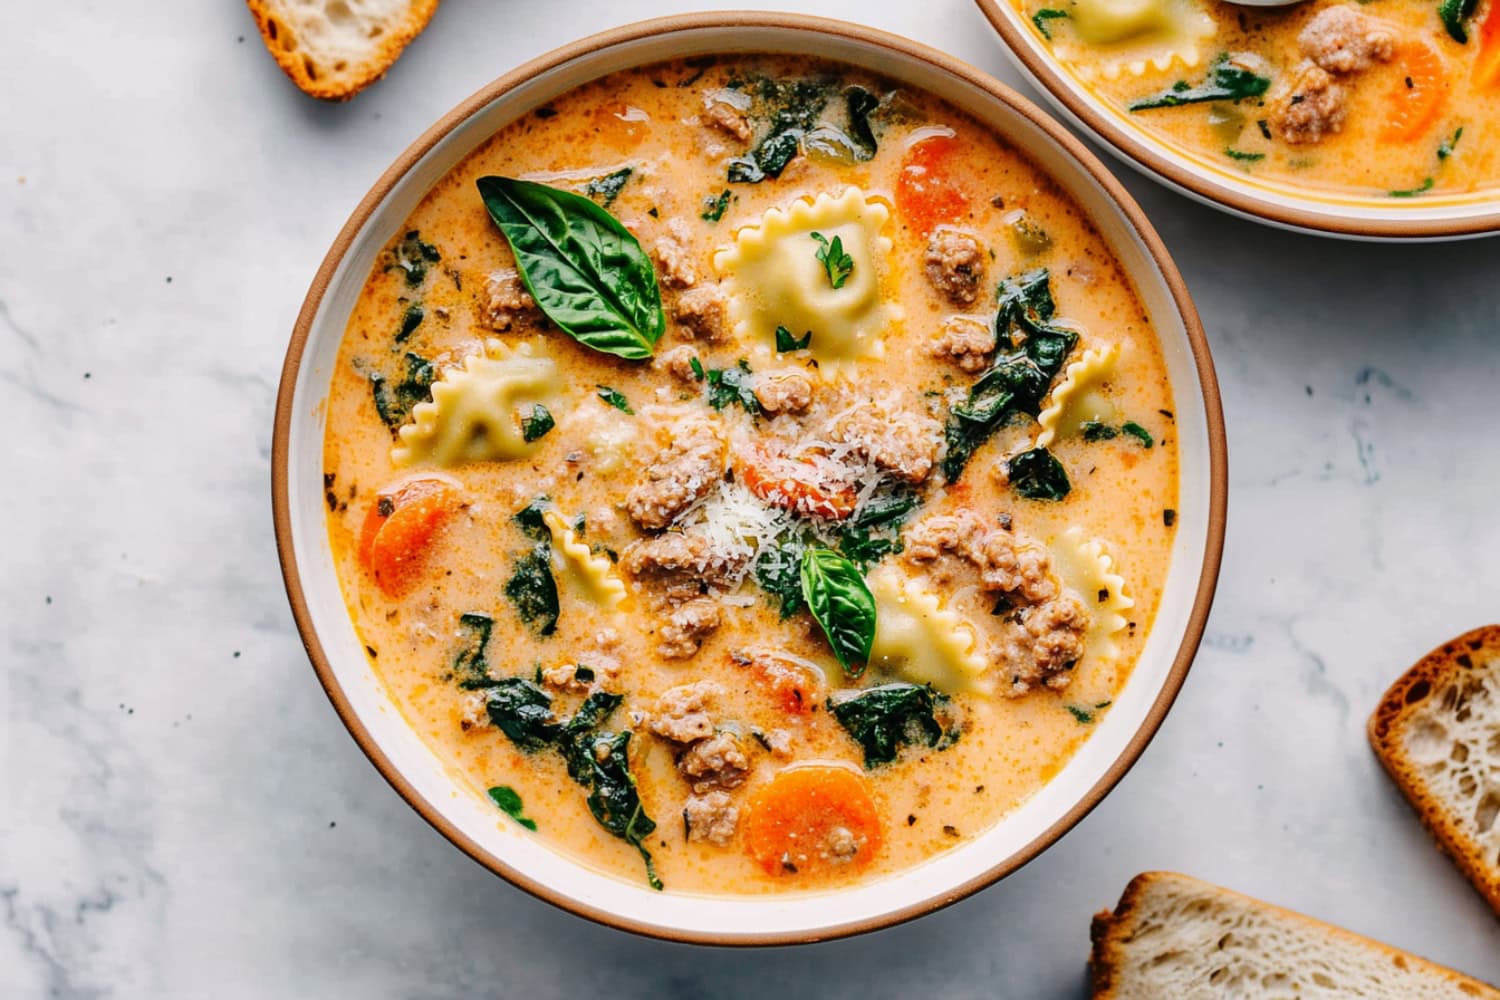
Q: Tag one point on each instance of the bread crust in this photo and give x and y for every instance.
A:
(327, 87)
(1389, 720)
(1111, 930)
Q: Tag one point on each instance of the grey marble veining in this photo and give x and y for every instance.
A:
(184, 816)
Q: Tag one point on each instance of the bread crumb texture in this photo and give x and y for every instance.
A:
(1173, 937)
(333, 49)
(1437, 731)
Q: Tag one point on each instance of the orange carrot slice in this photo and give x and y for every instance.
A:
(810, 820)
(1419, 92)
(802, 485)
(1487, 65)
(926, 194)
(399, 527)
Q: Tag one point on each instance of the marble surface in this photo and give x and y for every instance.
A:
(181, 812)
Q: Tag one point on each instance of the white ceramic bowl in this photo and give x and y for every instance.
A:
(1431, 217)
(472, 823)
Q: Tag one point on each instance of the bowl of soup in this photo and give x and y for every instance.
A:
(1375, 120)
(747, 478)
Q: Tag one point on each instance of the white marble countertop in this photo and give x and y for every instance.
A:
(182, 812)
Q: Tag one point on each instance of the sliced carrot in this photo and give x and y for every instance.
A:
(813, 819)
(801, 485)
(1418, 95)
(398, 528)
(926, 194)
(1487, 64)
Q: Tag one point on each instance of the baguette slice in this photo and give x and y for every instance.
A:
(1437, 731)
(333, 49)
(1175, 938)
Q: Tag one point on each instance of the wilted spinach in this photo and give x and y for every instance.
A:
(884, 719)
(614, 799)
(410, 320)
(1226, 82)
(470, 668)
(606, 189)
(533, 590)
(414, 257)
(522, 711)
(1038, 475)
(394, 405)
(509, 802)
(536, 420)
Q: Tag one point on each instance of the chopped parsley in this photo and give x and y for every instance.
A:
(1243, 157)
(1447, 147)
(1041, 17)
(837, 264)
(616, 399)
(727, 386)
(714, 207)
(1424, 187)
(786, 343)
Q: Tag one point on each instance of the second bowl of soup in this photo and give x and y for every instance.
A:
(748, 479)
(1368, 120)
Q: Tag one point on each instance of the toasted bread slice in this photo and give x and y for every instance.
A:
(333, 49)
(1437, 731)
(1176, 938)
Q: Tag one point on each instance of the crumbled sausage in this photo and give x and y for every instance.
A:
(1044, 643)
(701, 311)
(597, 671)
(1344, 40)
(719, 761)
(674, 262)
(783, 392)
(687, 626)
(904, 443)
(955, 264)
(1006, 561)
(778, 741)
(474, 711)
(509, 303)
(681, 713)
(1311, 107)
(683, 566)
(678, 477)
(726, 117)
(677, 362)
(711, 818)
(966, 342)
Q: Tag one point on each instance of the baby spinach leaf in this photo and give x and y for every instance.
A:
(727, 386)
(615, 398)
(606, 189)
(1455, 15)
(778, 570)
(529, 519)
(536, 420)
(786, 343)
(790, 108)
(1041, 17)
(410, 320)
(614, 799)
(884, 719)
(584, 269)
(395, 406)
(509, 801)
(1038, 475)
(414, 257)
(522, 711)
(883, 509)
(1226, 82)
(1138, 432)
(836, 593)
(533, 590)
(859, 103)
(470, 668)
(576, 740)
(837, 264)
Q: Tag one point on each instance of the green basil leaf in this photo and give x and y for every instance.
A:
(836, 593)
(509, 801)
(584, 269)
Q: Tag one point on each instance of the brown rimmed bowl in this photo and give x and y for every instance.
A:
(473, 824)
(1277, 203)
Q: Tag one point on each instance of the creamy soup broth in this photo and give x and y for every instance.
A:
(716, 715)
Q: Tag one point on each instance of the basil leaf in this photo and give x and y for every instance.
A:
(509, 801)
(584, 269)
(1038, 475)
(839, 599)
